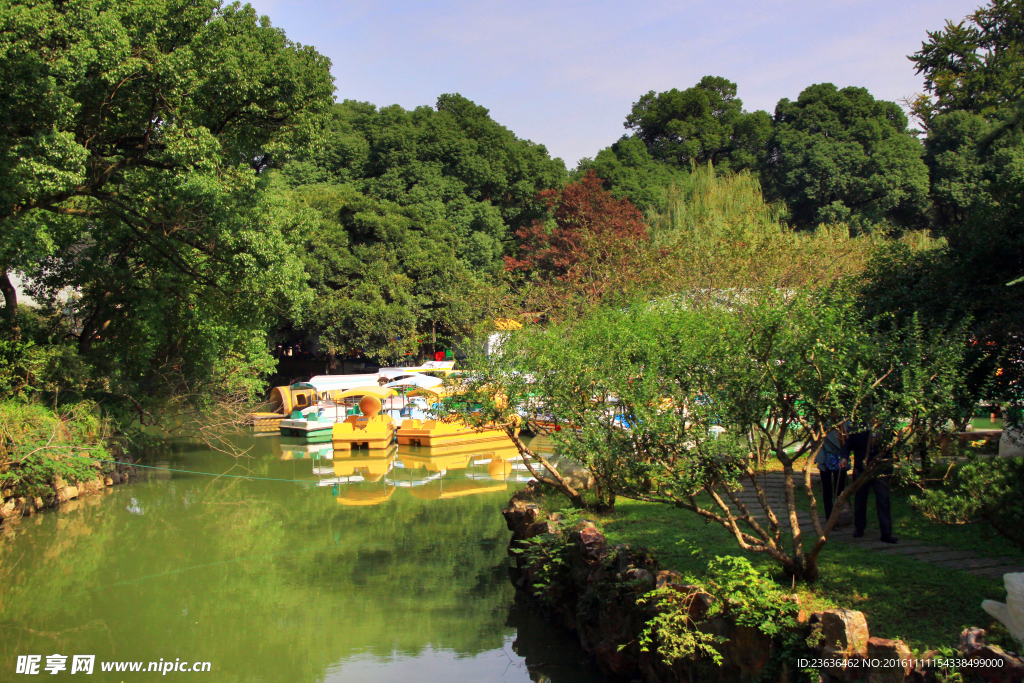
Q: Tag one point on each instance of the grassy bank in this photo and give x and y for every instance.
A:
(38, 444)
(924, 605)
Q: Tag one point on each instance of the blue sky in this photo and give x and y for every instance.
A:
(565, 73)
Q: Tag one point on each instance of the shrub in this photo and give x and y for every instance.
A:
(983, 489)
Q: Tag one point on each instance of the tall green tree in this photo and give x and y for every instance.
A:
(705, 123)
(451, 163)
(406, 216)
(973, 65)
(131, 136)
(386, 281)
(840, 155)
(974, 151)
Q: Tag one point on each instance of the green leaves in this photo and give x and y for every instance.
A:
(705, 123)
(840, 156)
(133, 134)
(985, 488)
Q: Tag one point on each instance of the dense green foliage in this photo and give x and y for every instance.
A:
(972, 65)
(702, 124)
(987, 489)
(630, 172)
(133, 133)
(37, 445)
(450, 165)
(413, 212)
(839, 155)
(739, 592)
(974, 151)
(681, 400)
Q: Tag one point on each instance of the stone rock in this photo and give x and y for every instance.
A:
(665, 577)
(107, 481)
(973, 646)
(590, 543)
(59, 483)
(38, 502)
(541, 528)
(556, 517)
(518, 515)
(971, 639)
(1009, 670)
(1011, 612)
(894, 651)
(845, 633)
(1011, 444)
(641, 577)
(7, 509)
(7, 493)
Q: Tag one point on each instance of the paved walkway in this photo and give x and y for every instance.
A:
(963, 560)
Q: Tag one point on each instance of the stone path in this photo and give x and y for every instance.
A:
(963, 560)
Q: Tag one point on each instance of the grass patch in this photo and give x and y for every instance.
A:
(924, 605)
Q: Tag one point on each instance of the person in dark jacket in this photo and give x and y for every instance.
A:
(833, 463)
(864, 445)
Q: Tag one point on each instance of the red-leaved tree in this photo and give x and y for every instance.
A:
(598, 244)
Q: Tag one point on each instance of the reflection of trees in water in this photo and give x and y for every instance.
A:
(265, 579)
(550, 654)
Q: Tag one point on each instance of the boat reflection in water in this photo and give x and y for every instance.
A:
(370, 477)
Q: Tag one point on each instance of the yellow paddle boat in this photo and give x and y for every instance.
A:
(370, 430)
(282, 402)
(444, 489)
(448, 434)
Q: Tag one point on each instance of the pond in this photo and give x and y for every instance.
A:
(393, 573)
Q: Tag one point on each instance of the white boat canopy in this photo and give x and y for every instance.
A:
(419, 381)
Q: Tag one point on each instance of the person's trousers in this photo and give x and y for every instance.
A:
(880, 485)
(832, 484)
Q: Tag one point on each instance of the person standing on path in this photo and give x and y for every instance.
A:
(833, 463)
(864, 445)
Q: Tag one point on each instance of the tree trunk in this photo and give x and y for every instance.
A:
(10, 303)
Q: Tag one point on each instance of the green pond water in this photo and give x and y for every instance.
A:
(398, 577)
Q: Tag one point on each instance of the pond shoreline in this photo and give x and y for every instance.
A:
(602, 593)
(14, 507)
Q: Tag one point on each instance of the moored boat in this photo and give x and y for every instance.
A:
(371, 430)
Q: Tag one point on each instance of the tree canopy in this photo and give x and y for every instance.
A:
(450, 164)
(630, 172)
(132, 134)
(841, 156)
(705, 123)
(973, 65)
